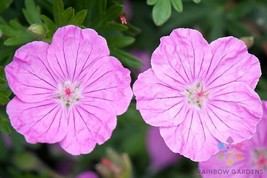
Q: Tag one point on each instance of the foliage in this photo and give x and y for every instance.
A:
(162, 9)
(23, 21)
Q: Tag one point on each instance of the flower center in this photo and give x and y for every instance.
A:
(196, 95)
(68, 93)
(259, 158)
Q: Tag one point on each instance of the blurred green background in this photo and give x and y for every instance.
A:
(22, 21)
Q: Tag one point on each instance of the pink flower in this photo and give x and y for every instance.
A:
(199, 93)
(87, 174)
(69, 91)
(160, 155)
(247, 161)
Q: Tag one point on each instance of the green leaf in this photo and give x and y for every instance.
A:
(161, 12)
(79, 17)
(126, 58)
(25, 161)
(133, 31)
(32, 12)
(151, 2)
(58, 9)
(120, 41)
(114, 26)
(17, 34)
(50, 26)
(178, 5)
(216, 19)
(2, 81)
(5, 90)
(67, 16)
(112, 13)
(5, 124)
(2, 75)
(3, 99)
(4, 4)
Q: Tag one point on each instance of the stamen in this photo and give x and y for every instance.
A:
(68, 93)
(196, 95)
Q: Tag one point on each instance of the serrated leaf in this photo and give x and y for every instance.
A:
(32, 12)
(58, 9)
(67, 16)
(79, 17)
(5, 124)
(151, 2)
(4, 4)
(126, 58)
(177, 5)
(17, 34)
(3, 99)
(15, 24)
(120, 41)
(50, 26)
(6, 30)
(161, 12)
(112, 13)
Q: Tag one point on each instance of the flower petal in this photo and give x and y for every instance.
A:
(181, 57)
(88, 125)
(108, 81)
(241, 158)
(260, 138)
(156, 148)
(159, 103)
(191, 138)
(232, 63)
(38, 122)
(233, 110)
(212, 167)
(87, 174)
(73, 50)
(24, 76)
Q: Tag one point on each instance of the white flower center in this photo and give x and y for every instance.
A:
(196, 95)
(259, 158)
(68, 93)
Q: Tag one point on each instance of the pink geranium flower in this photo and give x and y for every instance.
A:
(199, 93)
(87, 174)
(160, 155)
(69, 91)
(246, 160)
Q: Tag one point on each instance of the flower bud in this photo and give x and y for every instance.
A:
(115, 165)
(37, 30)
